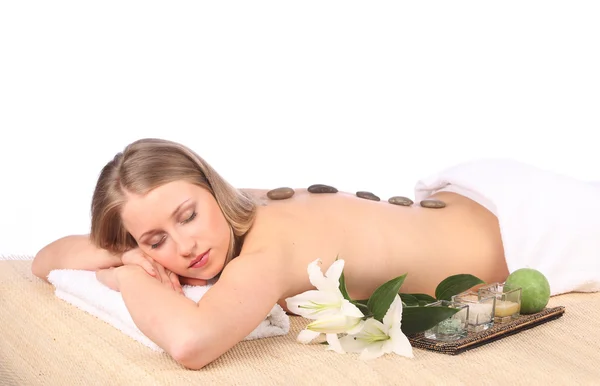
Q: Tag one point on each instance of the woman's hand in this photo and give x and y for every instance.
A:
(137, 257)
(107, 276)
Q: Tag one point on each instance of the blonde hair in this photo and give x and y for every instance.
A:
(147, 164)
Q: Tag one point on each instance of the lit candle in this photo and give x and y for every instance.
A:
(506, 308)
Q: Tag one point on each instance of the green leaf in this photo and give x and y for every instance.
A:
(419, 319)
(343, 287)
(424, 298)
(409, 300)
(383, 297)
(454, 285)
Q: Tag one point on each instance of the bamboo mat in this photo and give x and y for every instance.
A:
(45, 341)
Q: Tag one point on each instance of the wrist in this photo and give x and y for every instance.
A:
(126, 271)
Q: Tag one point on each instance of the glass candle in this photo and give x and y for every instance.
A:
(481, 309)
(452, 328)
(508, 300)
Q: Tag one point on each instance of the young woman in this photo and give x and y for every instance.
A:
(161, 216)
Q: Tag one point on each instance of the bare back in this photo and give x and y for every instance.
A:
(377, 240)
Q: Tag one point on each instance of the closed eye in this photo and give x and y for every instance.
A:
(156, 245)
(187, 220)
(193, 216)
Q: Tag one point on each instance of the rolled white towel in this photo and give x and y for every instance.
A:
(82, 289)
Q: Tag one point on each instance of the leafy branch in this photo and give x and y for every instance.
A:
(417, 315)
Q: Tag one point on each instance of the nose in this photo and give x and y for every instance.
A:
(185, 244)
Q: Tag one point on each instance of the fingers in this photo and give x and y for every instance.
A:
(175, 282)
(164, 276)
(148, 267)
(107, 277)
(161, 274)
(137, 257)
(168, 278)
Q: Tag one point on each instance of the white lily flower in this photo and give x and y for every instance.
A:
(331, 326)
(327, 300)
(376, 338)
(306, 336)
(336, 324)
(332, 313)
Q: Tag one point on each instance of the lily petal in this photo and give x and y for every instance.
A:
(314, 304)
(400, 343)
(393, 316)
(356, 329)
(322, 283)
(374, 328)
(315, 275)
(351, 343)
(350, 309)
(334, 343)
(335, 324)
(307, 336)
(334, 272)
(371, 352)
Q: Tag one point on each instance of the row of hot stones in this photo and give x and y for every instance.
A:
(285, 193)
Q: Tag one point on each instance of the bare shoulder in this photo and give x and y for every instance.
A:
(257, 267)
(258, 195)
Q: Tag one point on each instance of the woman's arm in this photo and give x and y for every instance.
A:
(197, 334)
(72, 252)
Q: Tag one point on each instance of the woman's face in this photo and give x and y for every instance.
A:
(180, 226)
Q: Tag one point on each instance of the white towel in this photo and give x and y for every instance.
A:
(548, 221)
(82, 289)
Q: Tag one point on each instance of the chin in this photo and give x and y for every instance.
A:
(209, 273)
(215, 272)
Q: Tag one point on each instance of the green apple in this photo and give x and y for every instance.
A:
(535, 289)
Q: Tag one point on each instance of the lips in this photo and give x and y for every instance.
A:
(200, 261)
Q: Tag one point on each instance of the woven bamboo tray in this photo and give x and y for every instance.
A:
(497, 331)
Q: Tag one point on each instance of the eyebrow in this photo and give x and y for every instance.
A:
(150, 232)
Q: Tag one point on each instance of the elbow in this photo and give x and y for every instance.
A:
(39, 265)
(188, 352)
(190, 363)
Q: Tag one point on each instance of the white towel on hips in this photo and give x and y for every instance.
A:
(548, 221)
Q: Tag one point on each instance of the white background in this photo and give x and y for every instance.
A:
(361, 95)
